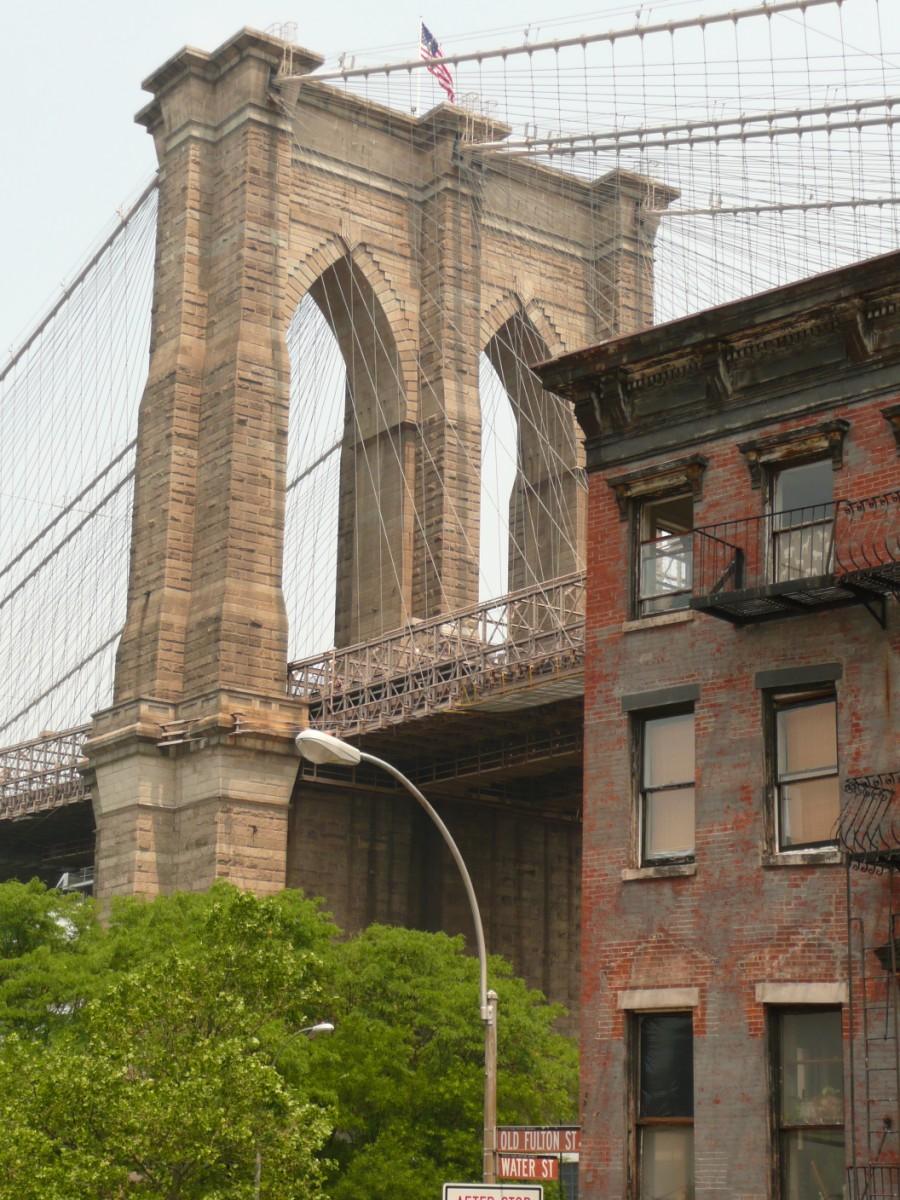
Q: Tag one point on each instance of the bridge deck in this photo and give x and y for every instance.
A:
(515, 652)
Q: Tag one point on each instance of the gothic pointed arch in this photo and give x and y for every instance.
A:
(375, 517)
(547, 504)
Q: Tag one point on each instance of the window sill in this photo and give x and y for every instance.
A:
(803, 858)
(675, 871)
(679, 617)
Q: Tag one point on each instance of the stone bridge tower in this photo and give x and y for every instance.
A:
(267, 193)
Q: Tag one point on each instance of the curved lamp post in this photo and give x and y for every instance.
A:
(318, 747)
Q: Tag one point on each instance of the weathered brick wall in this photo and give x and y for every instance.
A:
(735, 923)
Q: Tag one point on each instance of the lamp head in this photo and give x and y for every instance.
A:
(318, 747)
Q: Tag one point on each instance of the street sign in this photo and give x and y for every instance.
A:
(528, 1166)
(538, 1139)
(492, 1191)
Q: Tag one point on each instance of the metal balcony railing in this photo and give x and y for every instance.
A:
(873, 1182)
(869, 822)
(754, 568)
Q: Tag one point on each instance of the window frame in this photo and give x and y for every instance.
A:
(777, 700)
(640, 505)
(771, 531)
(638, 722)
(637, 1122)
(777, 1127)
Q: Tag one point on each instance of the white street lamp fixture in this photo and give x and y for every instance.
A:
(318, 747)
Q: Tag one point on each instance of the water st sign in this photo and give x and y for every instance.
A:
(524, 1166)
(538, 1139)
(492, 1191)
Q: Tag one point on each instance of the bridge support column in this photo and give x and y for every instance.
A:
(194, 764)
(445, 573)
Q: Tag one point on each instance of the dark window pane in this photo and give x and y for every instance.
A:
(811, 1068)
(666, 1065)
(812, 1164)
(809, 488)
(568, 1180)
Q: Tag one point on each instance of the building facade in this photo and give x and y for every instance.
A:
(742, 692)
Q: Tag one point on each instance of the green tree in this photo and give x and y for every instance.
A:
(161, 1053)
(163, 1083)
(404, 1070)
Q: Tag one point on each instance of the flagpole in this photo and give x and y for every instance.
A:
(418, 73)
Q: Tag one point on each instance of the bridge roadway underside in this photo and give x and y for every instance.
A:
(508, 785)
(44, 845)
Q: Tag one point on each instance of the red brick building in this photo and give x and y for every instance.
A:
(742, 692)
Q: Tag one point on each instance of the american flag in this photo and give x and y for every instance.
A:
(430, 52)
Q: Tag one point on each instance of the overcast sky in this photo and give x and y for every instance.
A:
(70, 74)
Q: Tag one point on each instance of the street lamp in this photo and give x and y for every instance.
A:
(318, 747)
(309, 1031)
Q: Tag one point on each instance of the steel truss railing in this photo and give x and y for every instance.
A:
(41, 774)
(431, 665)
(529, 635)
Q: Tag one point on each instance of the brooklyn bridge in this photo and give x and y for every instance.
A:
(277, 457)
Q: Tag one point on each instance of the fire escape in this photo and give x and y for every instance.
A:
(869, 833)
(782, 564)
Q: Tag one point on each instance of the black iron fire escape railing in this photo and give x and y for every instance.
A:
(868, 829)
(868, 832)
(824, 555)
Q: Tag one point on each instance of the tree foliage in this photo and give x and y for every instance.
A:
(161, 1053)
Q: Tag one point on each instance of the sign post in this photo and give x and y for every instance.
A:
(539, 1139)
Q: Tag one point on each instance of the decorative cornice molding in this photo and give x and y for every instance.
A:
(823, 440)
(678, 474)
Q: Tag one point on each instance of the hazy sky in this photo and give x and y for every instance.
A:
(70, 74)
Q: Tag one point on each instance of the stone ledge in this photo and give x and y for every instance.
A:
(803, 858)
(658, 998)
(802, 993)
(681, 617)
(675, 871)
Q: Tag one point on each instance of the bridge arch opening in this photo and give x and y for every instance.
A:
(347, 526)
(532, 514)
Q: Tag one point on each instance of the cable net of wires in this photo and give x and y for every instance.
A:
(68, 416)
(776, 129)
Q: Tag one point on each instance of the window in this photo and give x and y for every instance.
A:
(664, 1119)
(666, 750)
(802, 521)
(809, 1103)
(807, 792)
(665, 547)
